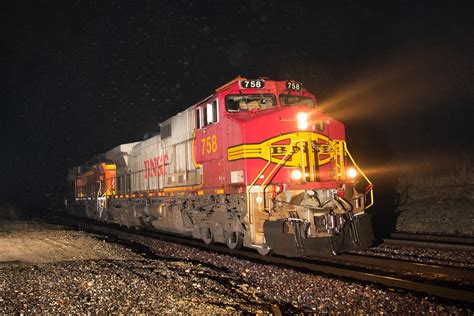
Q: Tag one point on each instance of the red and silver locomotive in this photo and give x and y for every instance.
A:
(255, 164)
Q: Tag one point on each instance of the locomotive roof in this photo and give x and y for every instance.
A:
(120, 150)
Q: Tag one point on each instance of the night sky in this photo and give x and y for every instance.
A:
(80, 77)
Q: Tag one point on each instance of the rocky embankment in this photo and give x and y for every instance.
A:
(437, 209)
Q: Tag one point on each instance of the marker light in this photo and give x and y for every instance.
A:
(278, 188)
(351, 173)
(302, 119)
(296, 174)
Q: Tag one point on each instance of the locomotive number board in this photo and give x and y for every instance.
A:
(252, 84)
(293, 85)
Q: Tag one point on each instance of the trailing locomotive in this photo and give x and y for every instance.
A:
(255, 164)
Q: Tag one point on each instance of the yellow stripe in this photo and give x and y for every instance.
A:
(293, 151)
(184, 188)
(193, 154)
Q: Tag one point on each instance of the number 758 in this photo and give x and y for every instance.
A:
(209, 144)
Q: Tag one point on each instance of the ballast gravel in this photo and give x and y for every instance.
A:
(136, 274)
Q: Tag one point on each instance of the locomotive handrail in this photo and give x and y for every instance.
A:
(340, 151)
(363, 175)
(341, 165)
(252, 184)
(277, 166)
(279, 163)
(269, 176)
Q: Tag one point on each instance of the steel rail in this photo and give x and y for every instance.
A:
(462, 243)
(466, 240)
(397, 265)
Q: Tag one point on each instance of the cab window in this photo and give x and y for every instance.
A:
(249, 102)
(288, 100)
(210, 113)
(198, 118)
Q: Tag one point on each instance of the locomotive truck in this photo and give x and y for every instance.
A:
(255, 164)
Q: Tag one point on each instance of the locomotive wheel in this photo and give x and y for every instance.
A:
(265, 250)
(207, 236)
(234, 240)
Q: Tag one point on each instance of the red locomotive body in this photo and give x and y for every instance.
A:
(255, 164)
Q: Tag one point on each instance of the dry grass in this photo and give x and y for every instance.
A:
(9, 211)
(438, 172)
(436, 195)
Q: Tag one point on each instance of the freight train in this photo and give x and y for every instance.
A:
(256, 164)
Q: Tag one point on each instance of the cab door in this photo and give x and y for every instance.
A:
(208, 145)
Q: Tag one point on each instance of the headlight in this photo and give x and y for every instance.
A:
(296, 174)
(351, 173)
(302, 119)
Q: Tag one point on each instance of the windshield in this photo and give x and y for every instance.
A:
(249, 102)
(287, 99)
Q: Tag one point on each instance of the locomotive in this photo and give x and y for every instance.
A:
(255, 164)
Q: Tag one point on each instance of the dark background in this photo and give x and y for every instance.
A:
(80, 77)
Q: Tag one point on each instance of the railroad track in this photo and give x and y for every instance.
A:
(428, 271)
(463, 243)
(444, 282)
